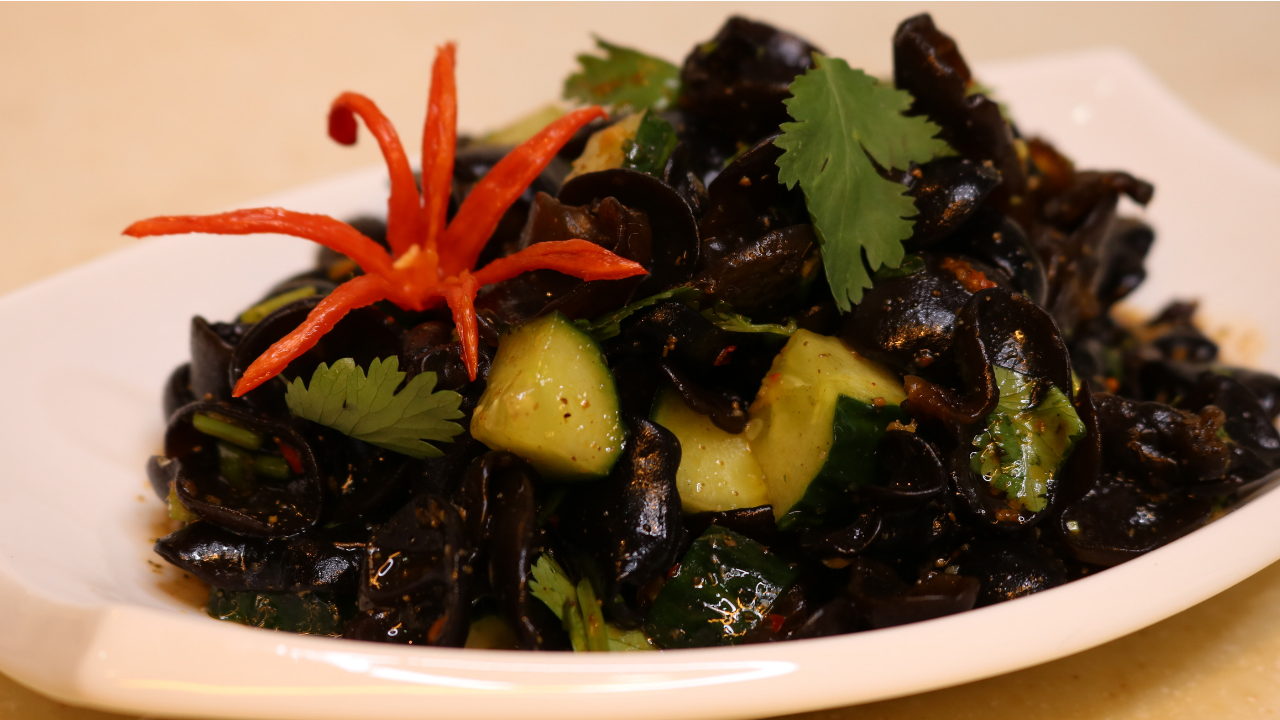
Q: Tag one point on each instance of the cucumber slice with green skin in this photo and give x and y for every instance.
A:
(815, 424)
(725, 585)
(551, 399)
(306, 612)
(717, 469)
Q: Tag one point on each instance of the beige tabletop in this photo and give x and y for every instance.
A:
(111, 113)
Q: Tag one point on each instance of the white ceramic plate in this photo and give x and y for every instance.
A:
(86, 618)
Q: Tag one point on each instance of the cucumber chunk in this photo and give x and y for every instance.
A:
(717, 470)
(725, 585)
(815, 424)
(551, 399)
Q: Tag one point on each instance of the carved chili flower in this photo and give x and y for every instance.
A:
(430, 261)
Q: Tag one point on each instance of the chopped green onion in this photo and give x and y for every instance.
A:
(225, 430)
(272, 467)
(270, 305)
(233, 465)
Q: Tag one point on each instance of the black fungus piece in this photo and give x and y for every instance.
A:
(673, 331)
(911, 534)
(1121, 518)
(605, 222)
(514, 543)
(1164, 447)
(444, 475)
(999, 241)
(1010, 568)
(211, 353)
(1084, 245)
(1175, 336)
(842, 543)
(364, 334)
(320, 560)
(676, 244)
(258, 505)
(500, 514)
(1018, 335)
(914, 467)
(361, 481)
(928, 64)
(907, 320)
(177, 390)
(756, 523)
(682, 175)
(774, 267)
(1264, 386)
(630, 523)
(1087, 189)
(725, 410)
(947, 192)
(974, 369)
(1131, 241)
(745, 202)
(1239, 413)
(473, 163)
(161, 472)
(432, 347)
(735, 83)
(413, 583)
(881, 599)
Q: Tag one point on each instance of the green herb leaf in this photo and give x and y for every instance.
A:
(624, 78)
(648, 151)
(1023, 447)
(844, 120)
(368, 407)
(607, 326)
(725, 319)
(577, 608)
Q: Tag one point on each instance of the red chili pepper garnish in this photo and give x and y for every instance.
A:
(291, 457)
(776, 621)
(421, 271)
(724, 356)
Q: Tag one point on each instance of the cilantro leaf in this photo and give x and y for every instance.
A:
(368, 407)
(726, 319)
(844, 120)
(1023, 447)
(623, 78)
(577, 608)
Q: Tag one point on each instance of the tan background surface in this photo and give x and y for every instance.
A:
(110, 113)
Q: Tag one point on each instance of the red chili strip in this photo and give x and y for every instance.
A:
(502, 185)
(403, 205)
(439, 144)
(291, 456)
(579, 258)
(321, 229)
(355, 293)
(461, 297)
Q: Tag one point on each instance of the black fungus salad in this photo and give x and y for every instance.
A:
(753, 349)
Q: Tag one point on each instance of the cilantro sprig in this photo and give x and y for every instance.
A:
(368, 408)
(845, 119)
(577, 607)
(624, 79)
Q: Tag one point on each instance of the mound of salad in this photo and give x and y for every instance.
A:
(755, 348)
